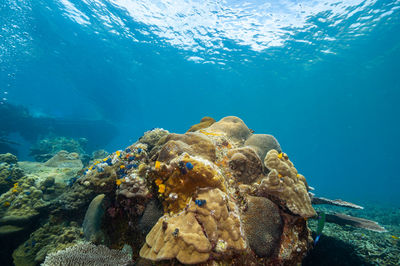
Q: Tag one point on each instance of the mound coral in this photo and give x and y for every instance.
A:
(219, 194)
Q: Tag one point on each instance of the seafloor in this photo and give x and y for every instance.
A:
(347, 245)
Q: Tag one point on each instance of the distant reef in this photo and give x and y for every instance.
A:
(17, 119)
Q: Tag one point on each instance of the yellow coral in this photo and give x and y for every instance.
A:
(185, 183)
(158, 181)
(209, 133)
(161, 188)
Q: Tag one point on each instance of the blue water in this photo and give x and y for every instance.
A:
(321, 76)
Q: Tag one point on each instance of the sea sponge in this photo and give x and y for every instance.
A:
(193, 143)
(263, 143)
(204, 123)
(245, 164)
(233, 127)
(285, 184)
(263, 225)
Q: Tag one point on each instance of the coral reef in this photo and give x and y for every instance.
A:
(285, 184)
(8, 158)
(92, 221)
(263, 143)
(49, 238)
(46, 148)
(263, 225)
(204, 123)
(10, 172)
(218, 194)
(87, 254)
(203, 196)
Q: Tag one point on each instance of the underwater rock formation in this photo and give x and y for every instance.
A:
(46, 148)
(217, 194)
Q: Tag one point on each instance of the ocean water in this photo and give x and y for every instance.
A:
(323, 77)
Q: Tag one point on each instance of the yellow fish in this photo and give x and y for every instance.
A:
(280, 155)
(157, 165)
(395, 237)
(118, 182)
(158, 181)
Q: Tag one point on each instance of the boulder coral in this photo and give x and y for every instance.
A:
(215, 195)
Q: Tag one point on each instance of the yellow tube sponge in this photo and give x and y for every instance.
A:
(285, 184)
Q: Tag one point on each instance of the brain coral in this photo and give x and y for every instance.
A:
(263, 225)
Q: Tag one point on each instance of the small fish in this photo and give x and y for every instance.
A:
(118, 182)
(321, 224)
(395, 237)
(157, 165)
(139, 150)
(127, 150)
